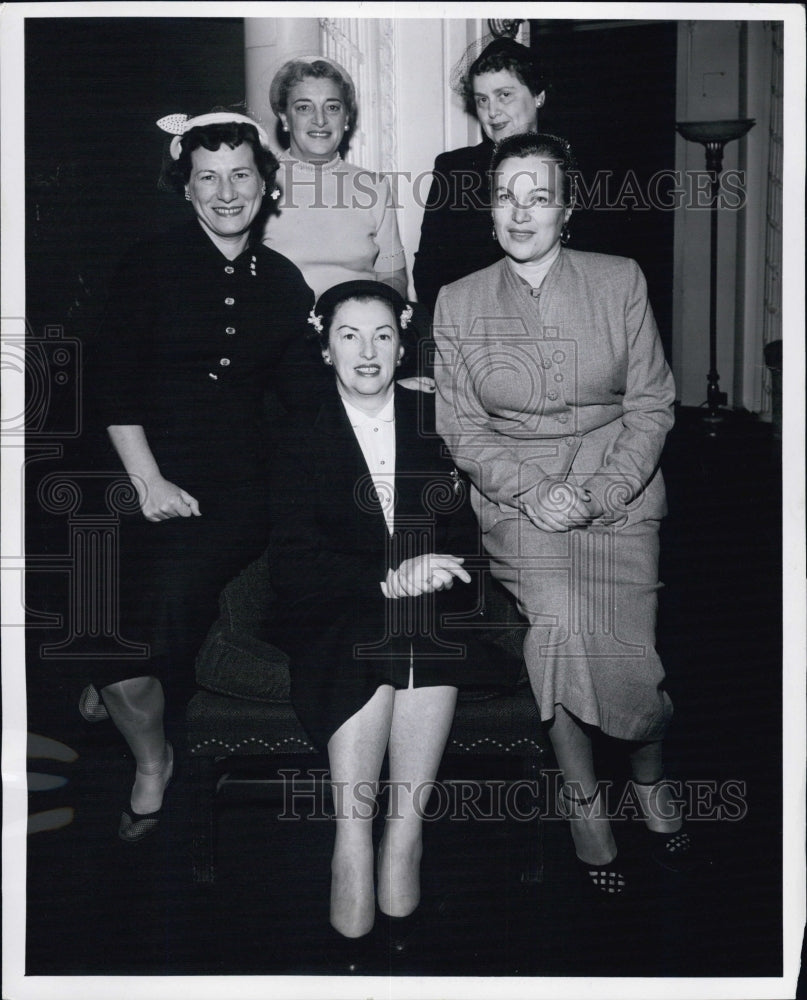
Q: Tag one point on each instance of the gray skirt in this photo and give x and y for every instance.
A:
(590, 596)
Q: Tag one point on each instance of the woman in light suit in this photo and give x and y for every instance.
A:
(554, 396)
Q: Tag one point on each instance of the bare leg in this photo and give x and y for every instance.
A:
(662, 811)
(591, 830)
(355, 752)
(421, 721)
(136, 707)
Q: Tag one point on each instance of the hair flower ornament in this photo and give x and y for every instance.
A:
(406, 316)
(315, 321)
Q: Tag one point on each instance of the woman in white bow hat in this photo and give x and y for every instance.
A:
(200, 324)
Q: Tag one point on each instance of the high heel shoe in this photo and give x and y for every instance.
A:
(352, 955)
(90, 705)
(134, 826)
(676, 850)
(607, 878)
(400, 934)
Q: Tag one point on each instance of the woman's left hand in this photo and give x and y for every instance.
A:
(423, 575)
(581, 508)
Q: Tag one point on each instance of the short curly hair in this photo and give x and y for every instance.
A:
(176, 173)
(502, 54)
(551, 147)
(296, 70)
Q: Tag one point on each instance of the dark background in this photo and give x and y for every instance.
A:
(94, 89)
(611, 93)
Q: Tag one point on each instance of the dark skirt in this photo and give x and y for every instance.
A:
(170, 576)
(342, 652)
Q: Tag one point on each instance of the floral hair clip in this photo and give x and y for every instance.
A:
(406, 316)
(315, 321)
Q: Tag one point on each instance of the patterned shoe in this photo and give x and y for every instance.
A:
(135, 826)
(91, 706)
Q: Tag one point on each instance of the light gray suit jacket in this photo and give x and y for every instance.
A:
(570, 382)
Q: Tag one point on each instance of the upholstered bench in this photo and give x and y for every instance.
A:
(242, 731)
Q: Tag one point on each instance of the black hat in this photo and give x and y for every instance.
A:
(334, 296)
(327, 304)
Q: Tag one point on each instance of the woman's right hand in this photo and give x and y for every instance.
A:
(423, 574)
(161, 500)
(561, 507)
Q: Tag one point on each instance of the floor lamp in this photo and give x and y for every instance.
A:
(714, 136)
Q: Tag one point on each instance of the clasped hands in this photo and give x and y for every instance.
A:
(562, 506)
(161, 500)
(423, 574)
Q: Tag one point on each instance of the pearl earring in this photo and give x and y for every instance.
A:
(187, 195)
(285, 127)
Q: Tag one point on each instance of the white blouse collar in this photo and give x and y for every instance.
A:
(358, 418)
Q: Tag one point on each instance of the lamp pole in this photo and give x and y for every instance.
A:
(713, 136)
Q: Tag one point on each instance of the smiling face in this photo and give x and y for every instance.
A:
(528, 209)
(316, 118)
(226, 191)
(504, 105)
(364, 348)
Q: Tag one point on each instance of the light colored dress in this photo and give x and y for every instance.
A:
(537, 387)
(336, 221)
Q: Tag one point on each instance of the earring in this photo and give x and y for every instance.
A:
(285, 127)
(187, 195)
(326, 359)
(565, 235)
(493, 233)
(263, 191)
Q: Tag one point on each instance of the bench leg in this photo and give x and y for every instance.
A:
(202, 818)
(533, 870)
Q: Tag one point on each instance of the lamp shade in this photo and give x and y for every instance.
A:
(716, 131)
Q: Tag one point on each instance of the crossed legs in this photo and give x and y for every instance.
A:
(414, 724)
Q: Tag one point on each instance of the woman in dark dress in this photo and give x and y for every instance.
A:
(199, 324)
(371, 526)
(503, 89)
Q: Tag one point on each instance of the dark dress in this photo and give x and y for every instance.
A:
(456, 234)
(195, 347)
(330, 549)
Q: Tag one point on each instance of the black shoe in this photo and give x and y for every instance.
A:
(133, 826)
(400, 934)
(90, 705)
(608, 880)
(678, 852)
(351, 956)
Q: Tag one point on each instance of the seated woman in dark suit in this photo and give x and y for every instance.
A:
(370, 520)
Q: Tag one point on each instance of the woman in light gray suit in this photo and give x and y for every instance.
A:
(554, 396)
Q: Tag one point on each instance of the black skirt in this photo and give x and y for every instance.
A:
(170, 576)
(342, 652)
